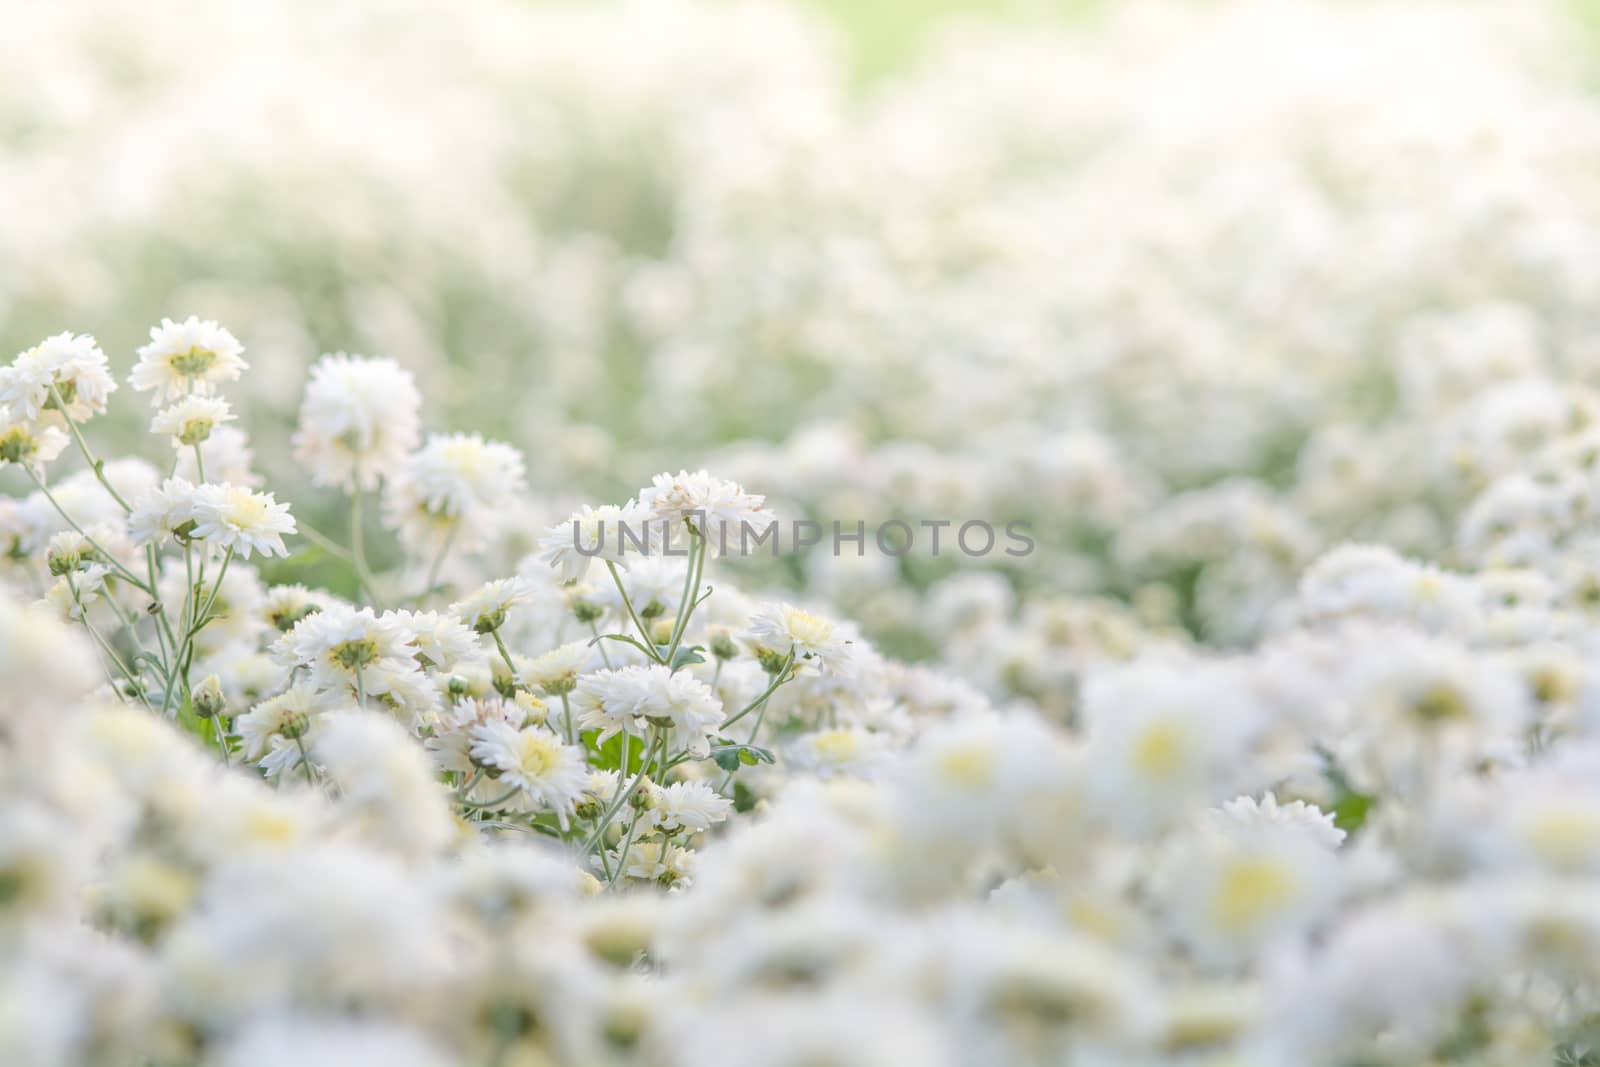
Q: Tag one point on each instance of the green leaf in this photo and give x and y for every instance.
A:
(686, 656)
(730, 755)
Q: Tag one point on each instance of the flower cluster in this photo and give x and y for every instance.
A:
(1276, 319)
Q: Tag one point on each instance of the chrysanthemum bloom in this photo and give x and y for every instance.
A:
(692, 806)
(534, 760)
(714, 508)
(191, 420)
(71, 368)
(163, 512)
(340, 640)
(639, 698)
(452, 487)
(242, 519)
(187, 357)
(816, 643)
(485, 610)
(610, 533)
(358, 421)
(28, 443)
(556, 672)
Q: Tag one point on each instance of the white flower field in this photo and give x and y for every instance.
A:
(538, 533)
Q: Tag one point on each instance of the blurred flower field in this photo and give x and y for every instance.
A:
(344, 726)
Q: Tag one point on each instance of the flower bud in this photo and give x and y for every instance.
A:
(208, 697)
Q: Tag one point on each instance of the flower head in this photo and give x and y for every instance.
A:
(65, 368)
(191, 420)
(242, 519)
(358, 421)
(187, 357)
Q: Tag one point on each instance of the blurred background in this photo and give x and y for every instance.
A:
(1199, 289)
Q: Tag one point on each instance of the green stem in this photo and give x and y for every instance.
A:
(777, 680)
(567, 723)
(323, 541)
(605, 657)
(121, 571)
(438, 559)
(358, 551)
(649, 645)
(83, 446)
(691, 592)
(623, 792)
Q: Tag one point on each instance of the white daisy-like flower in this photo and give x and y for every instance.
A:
(72, 594)
(285, 605)
(358, 421)
(485, 610)
(442, 641)
(1308, 819)
(655, 861)
(638, 698)
(187, 357)
(163, 512)
(271, 728)
(242, 519)
(340, 640)
(715, 508)
(815, 642)
(693, 806)
(454, 485)
(557, 671)
(67, 551)
(28, 443)
(192, 419)
(845, 752)
(610, 533)
(534, 760)
(72, 365)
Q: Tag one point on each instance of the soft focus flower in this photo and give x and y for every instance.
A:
(184, 357)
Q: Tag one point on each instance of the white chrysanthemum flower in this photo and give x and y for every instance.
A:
(534, 760)
(1229, 888)
(192, 419)
(72, 594)
(340, 640)
(715, 508)
(691, 806)
(1308, 819)
(845, 752)
(163, 512)
(286, 605)
(655, 861)
(404, 690)
(358, 421)
(276, 730)
(453, 486)
(556, 672)
(67, 551)
(29, 443)
(187, 357)
(443, 641)
(638, 698)
(485, 610)
(385, 780)
(247, 521)
(815, 642)
(610, 533)
(73, 366)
